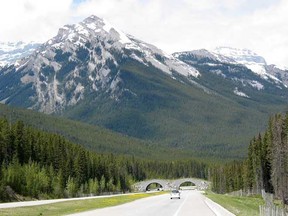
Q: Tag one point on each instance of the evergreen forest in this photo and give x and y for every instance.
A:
(37, 164)
(266, 167)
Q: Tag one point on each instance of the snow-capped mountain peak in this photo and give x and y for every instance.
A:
(96, 28)
(97, 24)
(91, 28)
(86, 58)
(240, 55)
(250, 59)
(10, 52)
(245, 57)
(151, 54)
(242, 67)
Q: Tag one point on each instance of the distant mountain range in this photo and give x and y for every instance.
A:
(10, 52)
(245, 70)
(205, 101)
(244, 57)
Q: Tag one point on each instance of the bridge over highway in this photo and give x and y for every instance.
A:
(171, 184)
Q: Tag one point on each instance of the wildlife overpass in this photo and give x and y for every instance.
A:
(165, 185)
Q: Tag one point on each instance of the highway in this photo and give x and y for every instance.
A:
(192, 203)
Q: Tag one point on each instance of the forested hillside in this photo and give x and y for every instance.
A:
(43, 165)
(93, 137)
(190, 103)
(266, 166)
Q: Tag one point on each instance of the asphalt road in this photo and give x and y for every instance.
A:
(192, 203)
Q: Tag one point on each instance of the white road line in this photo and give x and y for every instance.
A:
(178, 210)
(47, 202)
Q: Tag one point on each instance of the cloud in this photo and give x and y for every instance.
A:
(264, 31)
(32, 19)
(173, 25)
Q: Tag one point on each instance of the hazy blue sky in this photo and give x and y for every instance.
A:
(172, 25)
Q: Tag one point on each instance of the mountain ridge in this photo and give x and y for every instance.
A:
(78, 43)
(10, 52)
(245, 57)
(101, 76)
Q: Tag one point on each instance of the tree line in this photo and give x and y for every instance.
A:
(266, 166)
(38, 164)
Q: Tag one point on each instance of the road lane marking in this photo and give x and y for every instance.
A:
(178, 210)
(52, 201)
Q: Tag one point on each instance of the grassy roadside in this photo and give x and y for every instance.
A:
(69, 207)
(240, 206)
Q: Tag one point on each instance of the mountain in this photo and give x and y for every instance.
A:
(246, 73)
(10, 52)
(280, 73)
(84, 59)
(94, 73)
(254, 62)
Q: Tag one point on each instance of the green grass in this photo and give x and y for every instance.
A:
(69, 207)
(240, 206)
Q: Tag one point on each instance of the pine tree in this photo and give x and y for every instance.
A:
(102, 184)
(71, 187)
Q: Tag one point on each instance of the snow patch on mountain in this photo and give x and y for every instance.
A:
(159, 59)
(84, 59)
(253, 83)
(239, 55)
(219, 72)
(94, 27)
(256, 84)
(281, 74)
(239, 93)
(10, 52)
(246, 57)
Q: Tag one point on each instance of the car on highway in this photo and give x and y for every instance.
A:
(175, 194)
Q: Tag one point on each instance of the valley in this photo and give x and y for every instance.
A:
(94, 110)
(201, 103)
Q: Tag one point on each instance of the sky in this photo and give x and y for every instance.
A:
(172, 25)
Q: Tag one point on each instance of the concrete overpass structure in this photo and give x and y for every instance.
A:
(171, 184)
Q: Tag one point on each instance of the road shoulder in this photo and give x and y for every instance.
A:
(217, 209)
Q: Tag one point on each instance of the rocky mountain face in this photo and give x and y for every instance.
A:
(207, 102)
(82, 59)
(246, 72)
(279, 73)
(254, 62)
(10, 52)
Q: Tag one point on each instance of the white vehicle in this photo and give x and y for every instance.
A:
(175, 194)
